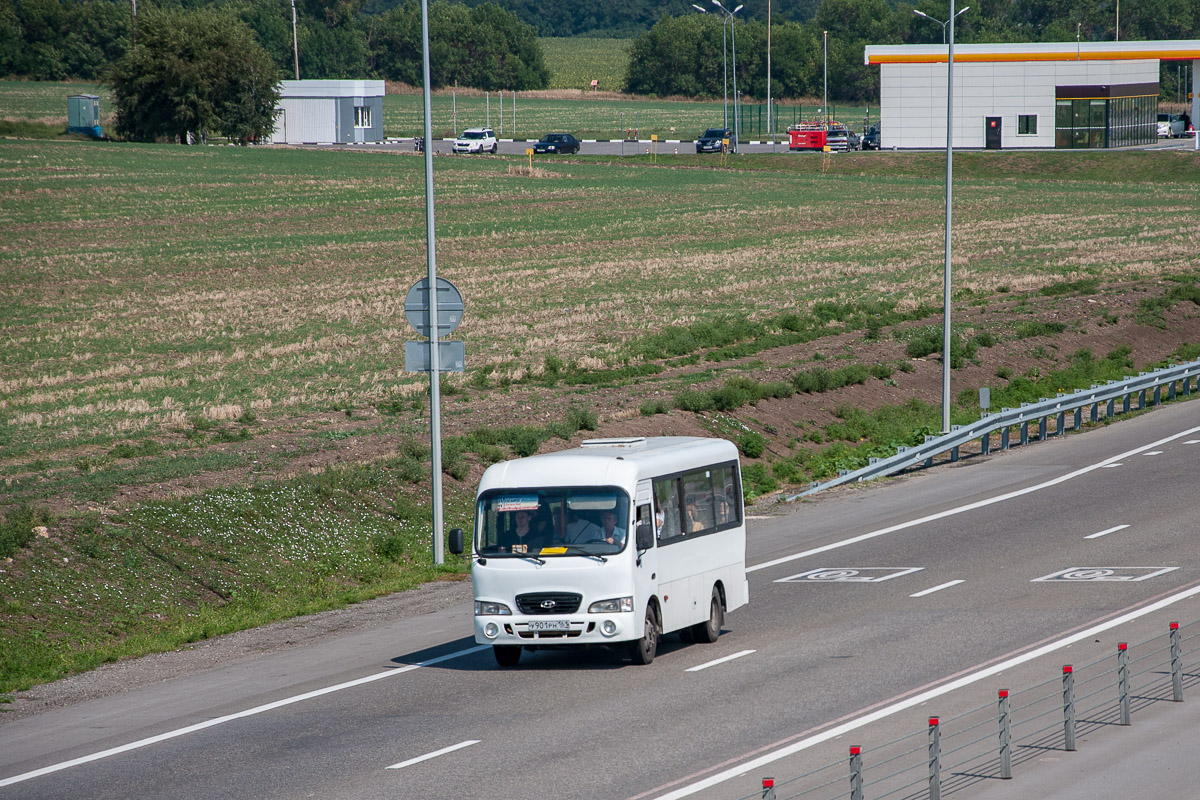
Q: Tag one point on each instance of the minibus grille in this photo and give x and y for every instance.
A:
(549, 603)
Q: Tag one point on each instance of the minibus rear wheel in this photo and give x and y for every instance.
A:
(709, 632)
(507, 655)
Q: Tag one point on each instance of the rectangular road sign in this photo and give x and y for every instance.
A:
(452, 356)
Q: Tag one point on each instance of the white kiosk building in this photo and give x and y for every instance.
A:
(1049, 94)
(328, 112)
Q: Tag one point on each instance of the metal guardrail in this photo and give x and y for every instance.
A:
(1037, 413)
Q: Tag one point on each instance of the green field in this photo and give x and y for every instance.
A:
(574, 63)
(193, 338)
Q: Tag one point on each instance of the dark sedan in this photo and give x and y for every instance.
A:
(557, 143)
(710, 141)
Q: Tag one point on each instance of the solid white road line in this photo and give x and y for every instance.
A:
(950, 512)
(250, 712)
(923, 697)
(1106, 533)
(933, 589)
(434, 754)
(719, 661)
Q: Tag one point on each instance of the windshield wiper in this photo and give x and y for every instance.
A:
(578, 551)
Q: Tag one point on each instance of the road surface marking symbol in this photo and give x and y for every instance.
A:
(434, 754)
(1103, 574)
(1153, 453)
(849, 575)
(250, 712)
(793, 747)
(719, 661)
(933, 589)
(1106, 533)
(950, 512)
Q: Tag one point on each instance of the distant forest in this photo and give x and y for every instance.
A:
(493, 44)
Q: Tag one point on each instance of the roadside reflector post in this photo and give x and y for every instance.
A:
(1005, 736)
(935, 759)
(1068, 692)
(856, 782)
(1123, 681)
(1176, 665)
(768, 789)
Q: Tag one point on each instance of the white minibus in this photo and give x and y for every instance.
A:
(616, 541)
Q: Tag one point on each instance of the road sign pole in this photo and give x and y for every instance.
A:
(435, 417)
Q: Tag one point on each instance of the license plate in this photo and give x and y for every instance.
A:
(550, 625)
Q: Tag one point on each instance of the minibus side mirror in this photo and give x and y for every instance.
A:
(645, 536)
(456, 541)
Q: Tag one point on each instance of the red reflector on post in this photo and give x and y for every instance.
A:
(1174, 626)
(768, 783)
(933, 721)
(1004, 692)
(1067, 669)
(854, 751)
(1122, 646)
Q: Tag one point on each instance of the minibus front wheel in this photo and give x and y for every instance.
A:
(643, 650)
(507, 655)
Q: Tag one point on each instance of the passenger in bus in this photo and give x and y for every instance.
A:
(613, 534)
(521, 537)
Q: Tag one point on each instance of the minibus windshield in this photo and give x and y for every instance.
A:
(569, 522)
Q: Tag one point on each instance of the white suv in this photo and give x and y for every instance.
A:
(476, 140)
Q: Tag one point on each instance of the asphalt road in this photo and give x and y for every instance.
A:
(954, 554)
(646, 148)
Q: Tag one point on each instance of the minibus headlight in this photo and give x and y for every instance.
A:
(614, 606)
(486, 608)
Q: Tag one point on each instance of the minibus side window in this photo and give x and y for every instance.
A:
(698, 500)
(725, 496)
(666, 500)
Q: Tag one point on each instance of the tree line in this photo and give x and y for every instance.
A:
(484, 47)
(493, 44)
(682, 55)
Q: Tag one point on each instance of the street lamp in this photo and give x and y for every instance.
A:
(938, 21)
(733, 37)
(724, 65)
(949, 208)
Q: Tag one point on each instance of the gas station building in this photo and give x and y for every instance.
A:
(1036, 95)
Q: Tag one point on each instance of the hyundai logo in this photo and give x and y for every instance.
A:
(548, 604)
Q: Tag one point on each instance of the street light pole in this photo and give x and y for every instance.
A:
(724, 64)
(295, 41)
(770, 108)
(949, 209)
(825, 107)
(733, 35)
